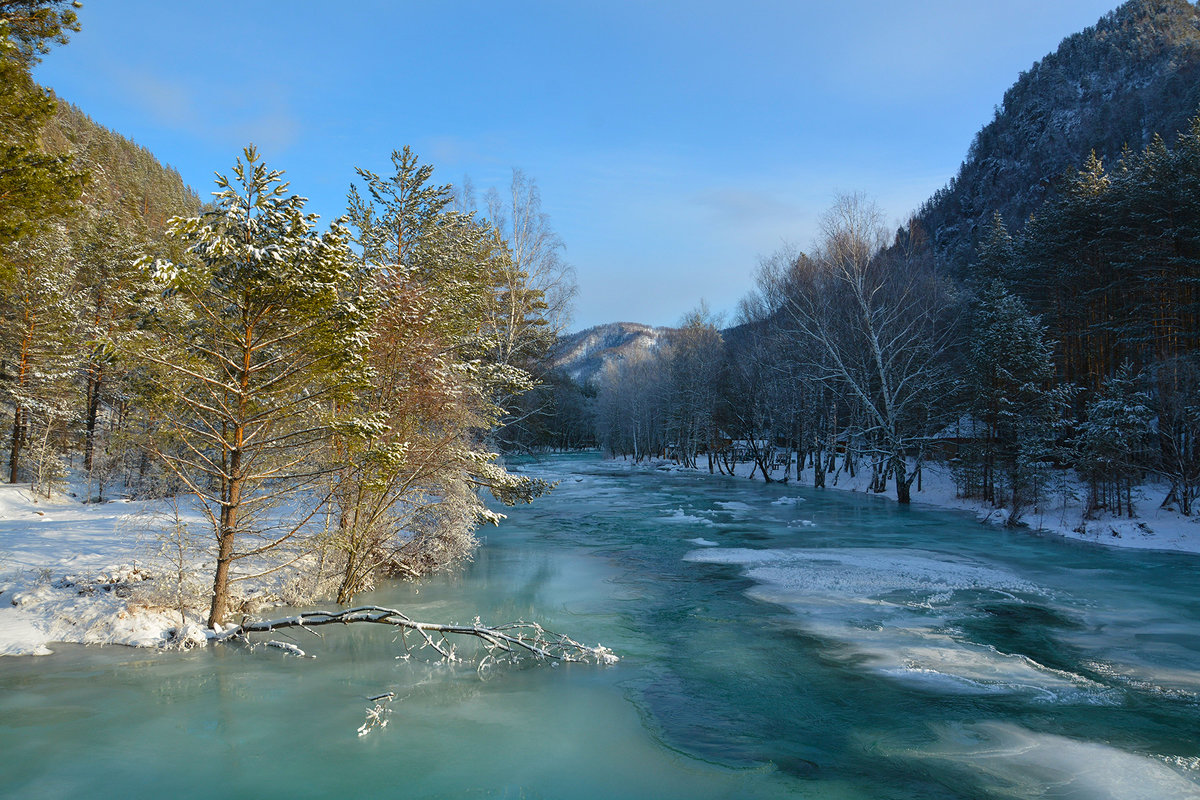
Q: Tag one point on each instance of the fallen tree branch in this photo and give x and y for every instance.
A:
(377, 714)
(513, 638)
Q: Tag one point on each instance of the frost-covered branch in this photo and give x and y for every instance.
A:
(513, 639)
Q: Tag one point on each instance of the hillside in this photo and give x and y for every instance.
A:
(126, 178)
(1114, 85)
(583, 355)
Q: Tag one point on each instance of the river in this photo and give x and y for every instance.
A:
(775, 641)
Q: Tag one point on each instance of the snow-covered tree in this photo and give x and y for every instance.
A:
(41, 355)
(1176, 393)
(442, 356)
(1112, 443)
(1010, 382)
(257, 339)
(112, 291)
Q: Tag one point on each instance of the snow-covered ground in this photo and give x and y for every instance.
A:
(104, 573)
(1153, 528)
(67, 571)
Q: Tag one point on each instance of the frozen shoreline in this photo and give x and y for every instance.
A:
(1153, 528)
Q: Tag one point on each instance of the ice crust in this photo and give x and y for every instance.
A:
(895, 608)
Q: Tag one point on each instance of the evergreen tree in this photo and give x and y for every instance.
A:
(1176, 393)
(35, 186)
(1112, 443)
(34, 25)
(405, 497)
(997, 255)
(112, 292)
(39, 330)
(259, 337)
(1010, 375)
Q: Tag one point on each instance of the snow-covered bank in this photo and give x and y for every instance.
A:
(96, 573)
(1153, 528)
(67, 571)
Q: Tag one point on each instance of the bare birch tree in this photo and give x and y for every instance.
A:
(876, 330)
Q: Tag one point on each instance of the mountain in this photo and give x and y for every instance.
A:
(583, 355)
(1134, 74)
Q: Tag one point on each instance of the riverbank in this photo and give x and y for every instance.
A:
(1152, 527)
(816, 644)
(102, 573)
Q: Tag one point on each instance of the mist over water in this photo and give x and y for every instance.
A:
(775, 642)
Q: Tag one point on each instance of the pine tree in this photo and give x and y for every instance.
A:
(112, 291)
(997, 255)
(1010, 376)
(36, 187)
(34, 25)
(258, 337)
(39, 329)
(1176, 394)
(1112, 443)
(405, 497)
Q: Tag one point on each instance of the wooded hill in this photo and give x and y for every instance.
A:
(1113, 86)
(122, 177)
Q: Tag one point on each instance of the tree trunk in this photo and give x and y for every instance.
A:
(95, 376)
(903, 481)
(220, 599)
(14, 455)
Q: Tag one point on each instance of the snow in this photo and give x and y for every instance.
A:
(95, 574)
(68, 574)
(1033, 764)
(678, 515)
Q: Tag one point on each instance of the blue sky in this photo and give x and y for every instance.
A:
(674, 143)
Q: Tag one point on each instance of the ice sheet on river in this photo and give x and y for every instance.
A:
(1007, 760)
(896, 611)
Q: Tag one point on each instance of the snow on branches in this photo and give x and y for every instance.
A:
(509, 642)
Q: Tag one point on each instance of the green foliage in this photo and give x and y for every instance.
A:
(260, 340)
(34, 25)
(38, 332)
(35, 186)
(404, 497)
(124, 179)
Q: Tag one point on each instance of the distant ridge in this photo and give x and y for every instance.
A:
(1134, 74)
(583, 355)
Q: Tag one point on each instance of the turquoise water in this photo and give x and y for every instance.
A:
(775, 642)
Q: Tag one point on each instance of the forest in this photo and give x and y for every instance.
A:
(328, 393)
(343, 504)
(1016, 358)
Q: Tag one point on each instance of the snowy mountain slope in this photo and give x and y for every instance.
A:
(1134, 74)
(583, 355)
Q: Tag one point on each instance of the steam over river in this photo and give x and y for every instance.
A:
(775, 642)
